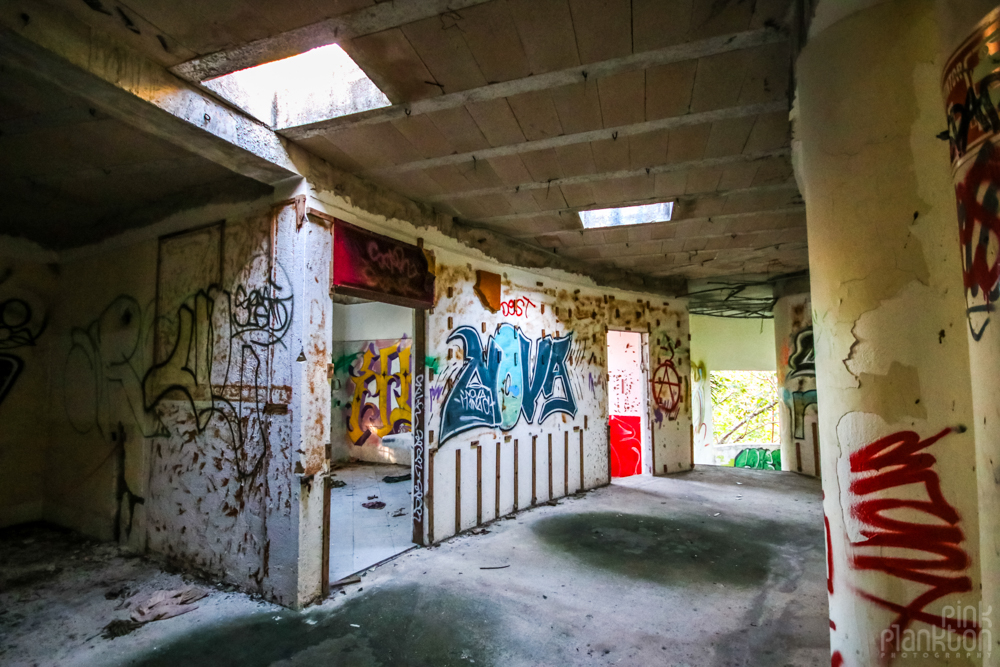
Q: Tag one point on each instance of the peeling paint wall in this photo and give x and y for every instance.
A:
(892, 363)
(793, 338)
(548, 417)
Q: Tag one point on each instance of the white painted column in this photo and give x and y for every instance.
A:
(793, 340)
(974, 131)
(893, 383)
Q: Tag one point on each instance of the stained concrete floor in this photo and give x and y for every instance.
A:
(717, 567)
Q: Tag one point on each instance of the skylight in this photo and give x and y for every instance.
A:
(316, 85)
(629, 215)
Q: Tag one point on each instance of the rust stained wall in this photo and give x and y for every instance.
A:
(539, 306)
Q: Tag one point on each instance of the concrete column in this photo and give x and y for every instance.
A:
(970, 73)
(793, 339)
(893, 383)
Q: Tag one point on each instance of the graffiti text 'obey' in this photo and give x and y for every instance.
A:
(496, 385)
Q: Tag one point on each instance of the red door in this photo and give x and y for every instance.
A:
(626, 446)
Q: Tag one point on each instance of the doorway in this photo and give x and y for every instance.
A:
(628, 404)
(371, 439)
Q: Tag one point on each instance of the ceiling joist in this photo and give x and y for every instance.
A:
(592, 72)
(584, 179)
(367, 21)
(787, 186)
(613, 133)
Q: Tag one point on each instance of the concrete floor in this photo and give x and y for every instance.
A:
(361, 537)
(717, 567)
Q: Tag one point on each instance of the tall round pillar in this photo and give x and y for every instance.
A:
(971, 90)
(793, 339)
(892, 366)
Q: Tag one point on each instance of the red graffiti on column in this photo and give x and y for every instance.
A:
(979, 231)
(898, 461)
(829, 556)
(837, 660)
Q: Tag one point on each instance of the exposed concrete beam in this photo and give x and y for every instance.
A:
(613, 133)
(367, 21)
(50, 45)
(787, 186)
(46, 121)
(786, 210)
(705, 163)
(569, 76)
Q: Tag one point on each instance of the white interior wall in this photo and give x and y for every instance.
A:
(371, 321)
(729, 344)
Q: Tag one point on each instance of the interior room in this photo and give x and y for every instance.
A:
(499, 332)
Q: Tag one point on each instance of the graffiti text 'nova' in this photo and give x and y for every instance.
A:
(497, 384)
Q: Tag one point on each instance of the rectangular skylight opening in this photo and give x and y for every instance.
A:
(628, 215)
(317, 85)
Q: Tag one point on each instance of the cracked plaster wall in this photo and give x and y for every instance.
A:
(890, 347)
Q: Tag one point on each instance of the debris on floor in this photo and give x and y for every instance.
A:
(373, 505)
(337, 483)
(166, 604)
(353, 579)
(120, 627)
(481, 531)
(393, 479)
(400, 512)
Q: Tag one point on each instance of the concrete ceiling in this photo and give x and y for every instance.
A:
(71, 175)
(513, 115)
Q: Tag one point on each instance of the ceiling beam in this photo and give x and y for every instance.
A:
(723, 217)
(790, 185)
(614, 133)
(706, 163)
(51, 46)
(593, 71)
(367, 21)
(50, 120)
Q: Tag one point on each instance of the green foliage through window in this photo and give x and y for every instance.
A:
(744, 406)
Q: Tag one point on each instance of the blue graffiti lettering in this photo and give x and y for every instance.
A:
(497, 385)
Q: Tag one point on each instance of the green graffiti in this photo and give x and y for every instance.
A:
(343, 364)
(433, 364)
(759, 459)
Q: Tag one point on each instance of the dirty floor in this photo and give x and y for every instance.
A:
(361, 536)
(716, 567)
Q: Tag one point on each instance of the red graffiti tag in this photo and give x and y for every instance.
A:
(897, 461)
(837, 659)
(667, 383)
(979, 231)
(516, 307)
(829, 557)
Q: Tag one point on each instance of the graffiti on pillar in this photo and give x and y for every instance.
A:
(380, 403)
(497, 383)
(802, 358)
(884, 477)
(979, 234)
(418, 450)
(667, 394)
(970, 83)
(758, 458)
(800, 401)
(19, 327)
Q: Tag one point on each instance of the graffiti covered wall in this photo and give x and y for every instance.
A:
(25, 289)
(171, 397)
(517, 399)
(371, 397)
(793, 335)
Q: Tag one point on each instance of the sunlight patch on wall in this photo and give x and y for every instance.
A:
(316, 85)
